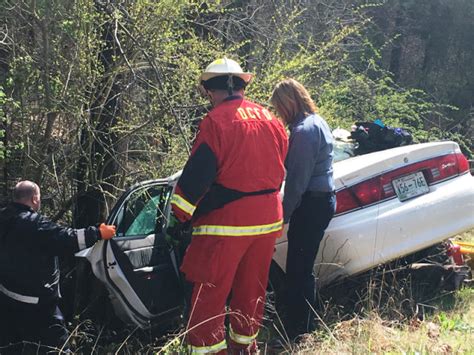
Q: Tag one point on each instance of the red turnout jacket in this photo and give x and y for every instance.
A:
(240, 147)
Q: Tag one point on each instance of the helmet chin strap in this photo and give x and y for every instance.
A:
(230, 85)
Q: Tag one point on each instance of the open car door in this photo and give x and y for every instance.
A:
(138, 266)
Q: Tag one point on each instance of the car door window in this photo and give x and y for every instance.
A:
(139, 263)
(138, 216)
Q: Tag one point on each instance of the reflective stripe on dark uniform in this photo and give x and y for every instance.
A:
(29, 271)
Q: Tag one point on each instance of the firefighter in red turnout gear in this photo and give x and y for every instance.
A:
(229, 189)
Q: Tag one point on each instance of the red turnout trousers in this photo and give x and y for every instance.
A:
(219, 266)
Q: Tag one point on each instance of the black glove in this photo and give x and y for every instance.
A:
(177, 230)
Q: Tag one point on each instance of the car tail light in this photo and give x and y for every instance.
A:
(463, 163)
(346, 201)
(380, 188)
(445, 167)
(369, 191)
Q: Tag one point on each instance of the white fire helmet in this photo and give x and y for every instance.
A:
(225, 66)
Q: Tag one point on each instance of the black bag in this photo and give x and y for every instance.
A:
(373, 137)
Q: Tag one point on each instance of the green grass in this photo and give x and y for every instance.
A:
(443, 323)
(447, 327)
(466, 236)
(442, 332)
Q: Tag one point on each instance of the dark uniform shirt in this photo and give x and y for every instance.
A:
(29, 248)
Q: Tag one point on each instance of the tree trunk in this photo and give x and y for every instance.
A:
(396, 53)
(97, 167)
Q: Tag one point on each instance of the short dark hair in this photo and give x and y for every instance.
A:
(24, 190)
(221, 83)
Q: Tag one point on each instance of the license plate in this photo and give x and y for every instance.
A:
(410, 186)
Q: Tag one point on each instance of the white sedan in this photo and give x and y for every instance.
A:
(390, 204)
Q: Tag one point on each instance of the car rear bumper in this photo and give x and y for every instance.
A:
(371, 236)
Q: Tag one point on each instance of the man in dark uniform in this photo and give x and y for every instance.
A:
(29, 272)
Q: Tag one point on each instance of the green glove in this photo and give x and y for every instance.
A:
(172, 222)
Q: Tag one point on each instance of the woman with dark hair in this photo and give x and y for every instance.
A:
(309, 201)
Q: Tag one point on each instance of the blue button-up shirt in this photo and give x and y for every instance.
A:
(309, 161)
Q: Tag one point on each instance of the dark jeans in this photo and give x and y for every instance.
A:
(306, 230)
(33, 324)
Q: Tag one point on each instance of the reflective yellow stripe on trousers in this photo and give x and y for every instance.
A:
(183, 204)
(242, 339)
(237, 230)
(208, 349)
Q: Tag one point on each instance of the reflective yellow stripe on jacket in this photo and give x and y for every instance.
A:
(237, 230)
(208, 349)
(183, 204)
(242, 339)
